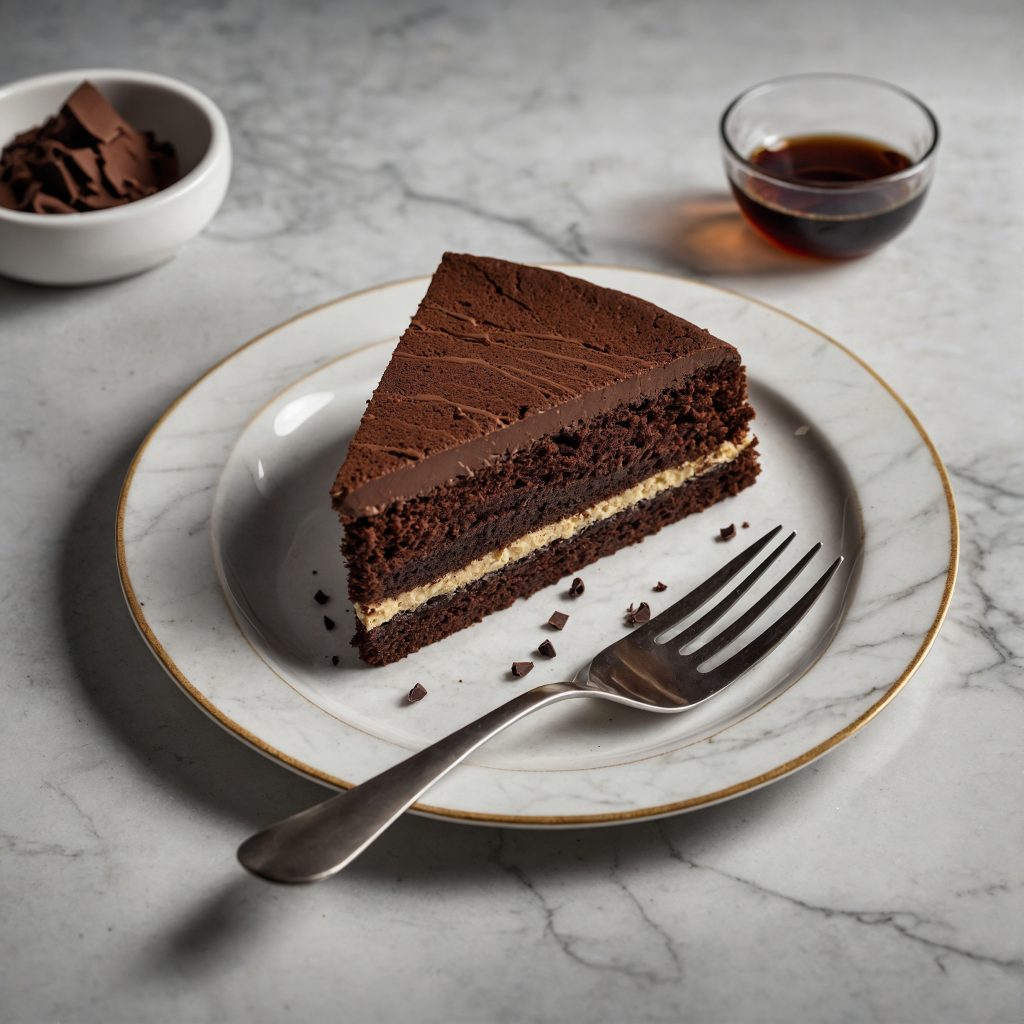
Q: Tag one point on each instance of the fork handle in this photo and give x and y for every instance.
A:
(318, 842)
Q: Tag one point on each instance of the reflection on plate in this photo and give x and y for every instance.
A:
(246, 457)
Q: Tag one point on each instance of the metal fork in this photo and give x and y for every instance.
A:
(643, 670)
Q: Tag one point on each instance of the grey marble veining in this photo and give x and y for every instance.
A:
(883, 882)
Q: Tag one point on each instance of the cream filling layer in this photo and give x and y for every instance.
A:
(373, 615)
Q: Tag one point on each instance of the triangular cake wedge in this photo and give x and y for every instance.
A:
(529, 422)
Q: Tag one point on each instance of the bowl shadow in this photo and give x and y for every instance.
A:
(705, 232)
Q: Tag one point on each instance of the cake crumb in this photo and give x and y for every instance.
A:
(320, 597)
(745, 525)
(558, 620)
(547, 649)
(418, 692)
(328, 623)
(521, 668)
(577, 587)
(659, 586)
(639, 615)
(335, 659)
(727, 532)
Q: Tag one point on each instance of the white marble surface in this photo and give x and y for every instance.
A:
(882, 883)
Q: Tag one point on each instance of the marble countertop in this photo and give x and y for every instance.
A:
(884, 882)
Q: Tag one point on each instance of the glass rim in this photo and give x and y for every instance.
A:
(860, 186)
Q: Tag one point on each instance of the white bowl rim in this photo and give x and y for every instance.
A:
(921, 166)
(215, 151)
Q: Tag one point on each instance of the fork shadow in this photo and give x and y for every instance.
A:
(466, 864)
(458, 860)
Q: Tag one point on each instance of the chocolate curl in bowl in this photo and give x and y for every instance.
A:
(86, 157)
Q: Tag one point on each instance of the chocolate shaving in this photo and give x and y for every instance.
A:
(86, 157)
(558, 620)
(521, 668)
(418, 692)
(727, 532)
(328, 622)
(638, 616)
(576, 588)
(547, 649)
(659, 586)
(320, 597)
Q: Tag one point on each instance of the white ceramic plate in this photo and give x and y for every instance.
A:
(225, 533)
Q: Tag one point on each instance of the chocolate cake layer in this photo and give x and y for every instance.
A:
(442, 616)
(500, 355)
(413, 542)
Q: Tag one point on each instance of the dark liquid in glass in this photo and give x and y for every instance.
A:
(842, 221)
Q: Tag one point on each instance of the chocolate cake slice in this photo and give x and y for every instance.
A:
(528, 423)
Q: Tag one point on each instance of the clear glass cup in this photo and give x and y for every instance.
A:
(829, 165)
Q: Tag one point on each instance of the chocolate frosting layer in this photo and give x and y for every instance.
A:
(86, 157)
(497, 356)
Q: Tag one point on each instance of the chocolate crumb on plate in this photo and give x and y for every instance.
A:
(418, 692)
(727, 532)
(745, 525)
(521, 668)
(659, 586)
(639, 615)
(547, 649)
(335, 660)
(320, 597)
(558, 620)
(576, 588)
(328, 622)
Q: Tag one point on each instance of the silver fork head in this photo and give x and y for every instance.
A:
(646, 670)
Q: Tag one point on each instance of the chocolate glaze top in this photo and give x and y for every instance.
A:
(497, 356)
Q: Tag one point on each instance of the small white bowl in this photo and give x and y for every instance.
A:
(103, 245)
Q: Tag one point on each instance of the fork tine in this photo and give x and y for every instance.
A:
(710, 618)
(703, 591)
(754, 612)
(772, 636)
